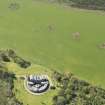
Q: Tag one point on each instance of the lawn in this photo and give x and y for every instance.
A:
(42, 33)
(22, 94)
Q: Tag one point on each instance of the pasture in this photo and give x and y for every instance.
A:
(43, 33)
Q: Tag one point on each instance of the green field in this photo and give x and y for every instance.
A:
(26, 30)
(22, 94)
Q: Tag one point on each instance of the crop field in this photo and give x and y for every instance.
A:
(43, 33)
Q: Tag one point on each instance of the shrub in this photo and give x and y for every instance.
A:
(78, 92)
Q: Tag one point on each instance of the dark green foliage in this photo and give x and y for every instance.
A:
(77, 92)
(7, 97)
(52, 87)
(4, 56)
(6, 86)
(21, 62)
(57, 76)
(10, 55)
(89, 4)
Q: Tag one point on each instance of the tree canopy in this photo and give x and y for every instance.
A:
(89, 4)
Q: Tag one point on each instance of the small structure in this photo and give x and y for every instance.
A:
(37, 84)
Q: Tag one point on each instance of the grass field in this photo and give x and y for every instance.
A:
(42, 33)
(22, 94)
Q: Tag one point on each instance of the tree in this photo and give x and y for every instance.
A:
(61, 100)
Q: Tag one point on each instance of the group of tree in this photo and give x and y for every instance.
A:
(7, 97)
(88, 4)
(9, 55)
(73, 91)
